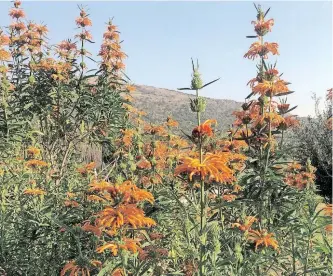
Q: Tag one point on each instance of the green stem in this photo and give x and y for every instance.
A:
(202, 204)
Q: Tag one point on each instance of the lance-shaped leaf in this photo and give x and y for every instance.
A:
(209, 83)
(249, 96)
(284, 93)
(291, 109)
(266, 12)
(184, 88)
(255, 7)
(251, 36)
(264, 63)
(192, 65)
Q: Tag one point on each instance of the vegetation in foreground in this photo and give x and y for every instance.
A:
(158, 203)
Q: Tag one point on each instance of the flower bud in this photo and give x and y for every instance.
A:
(196, 82)
(198, 105)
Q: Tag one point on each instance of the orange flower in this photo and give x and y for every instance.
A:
(33, 152)
(71, 203)
(17, 26)
(83, 22)
(123, 215)
(229, 198)
(262, 27)
(130, 88)
(84, 35)
(79, 270)
(289, 122)
(95, 198)
(152, 252)
(274, 118)
(4, 55)
(88, 168)
(128, 136)
(34, 192)
(283, 108)
(214, 166)
(171, 122)
(144, 164)
(108, 246)
(4, 39)
(127, 192)
(270, 88)
(16, 13)
(130, 245)
(155, 130)
(258, 50)
(87, 227)
(118, 272)
(34, 163)
(249, 220)
(204, 129)
(17, 3)
(262, 238)
(99, 186)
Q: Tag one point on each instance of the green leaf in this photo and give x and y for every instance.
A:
(209, 83)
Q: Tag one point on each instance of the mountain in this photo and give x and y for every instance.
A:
(159, 103)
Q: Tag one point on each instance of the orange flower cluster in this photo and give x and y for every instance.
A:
(152, 252)
(270, 88)
(123, 216)
(131, 245)
(67, 49)
(299, 177)
(34, 37)
(111, 53)
(4, 41)
(289, 122)
(204, 129)
(77, 269)
(260, 238)
(248, 115)
(171, 122)
(86, 169)
(33, 152)
(213, 166)
(126, 193)
(262, 27)
(83, 20)
(34, 164)
(16, 13)
(262, 50)
(59, 70)
(246, 225)
(34, 192)
(263, 238)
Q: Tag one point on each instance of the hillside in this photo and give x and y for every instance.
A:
(159, 103)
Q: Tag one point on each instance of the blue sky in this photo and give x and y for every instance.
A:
(161, 37)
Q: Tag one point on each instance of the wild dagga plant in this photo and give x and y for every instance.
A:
(50, 108)
(278, 188)
(208, 169)
(262, 124)
(160, 205)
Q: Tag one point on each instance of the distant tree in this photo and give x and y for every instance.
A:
(313, 140)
